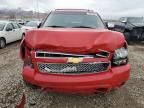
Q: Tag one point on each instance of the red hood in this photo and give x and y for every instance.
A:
(74, 40)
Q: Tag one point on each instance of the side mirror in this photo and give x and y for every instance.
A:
(110, 25)
(124, 21)
(9, 29)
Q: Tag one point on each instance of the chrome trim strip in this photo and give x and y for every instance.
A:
(66, 54)
(78, 63)
(106, 52)
(100, 55)
(62, 53)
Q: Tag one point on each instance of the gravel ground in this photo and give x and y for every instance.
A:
(131, 95)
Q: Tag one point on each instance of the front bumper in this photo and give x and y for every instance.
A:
(90, 83)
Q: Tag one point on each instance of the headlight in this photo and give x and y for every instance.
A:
(120, 57)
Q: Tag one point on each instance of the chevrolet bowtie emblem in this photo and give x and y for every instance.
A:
(75, 60)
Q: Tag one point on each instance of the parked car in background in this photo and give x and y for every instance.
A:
(19, 21)
(74, 52)
(31, 25)
(9, 32)
(131, 27)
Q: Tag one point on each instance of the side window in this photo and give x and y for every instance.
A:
(9, 27)
(15, 26)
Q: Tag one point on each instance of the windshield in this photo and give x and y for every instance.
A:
(74, 20)
(32, 24)
(2, 25)
(136, 20)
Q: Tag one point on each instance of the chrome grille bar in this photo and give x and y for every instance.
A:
(42, 54)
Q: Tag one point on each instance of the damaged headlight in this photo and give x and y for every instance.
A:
(120, 57)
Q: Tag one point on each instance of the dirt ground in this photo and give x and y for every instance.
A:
(131, 95)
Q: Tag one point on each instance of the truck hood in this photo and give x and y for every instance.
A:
(139, 24)
(136, 24)
(71, 40)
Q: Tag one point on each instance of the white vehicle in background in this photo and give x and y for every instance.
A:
(10, 32)
(31, 25)
(19, 21)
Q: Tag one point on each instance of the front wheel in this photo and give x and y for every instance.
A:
(2, 43)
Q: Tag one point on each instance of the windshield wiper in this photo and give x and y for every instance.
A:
(55, 26)
(83, 27)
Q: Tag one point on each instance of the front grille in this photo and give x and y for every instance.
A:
(67, 68)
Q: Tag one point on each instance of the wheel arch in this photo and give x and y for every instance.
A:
(4, 39)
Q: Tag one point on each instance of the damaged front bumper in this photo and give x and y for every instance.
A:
(98, 82)
(88, 78)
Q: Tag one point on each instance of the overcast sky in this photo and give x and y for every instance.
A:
(106, 8)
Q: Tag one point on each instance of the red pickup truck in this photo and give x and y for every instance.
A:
(74, 52)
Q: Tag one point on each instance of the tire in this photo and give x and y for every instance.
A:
(2, 43)
(127, 37)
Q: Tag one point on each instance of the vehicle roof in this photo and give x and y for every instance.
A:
(74, 10)
(5, 21)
